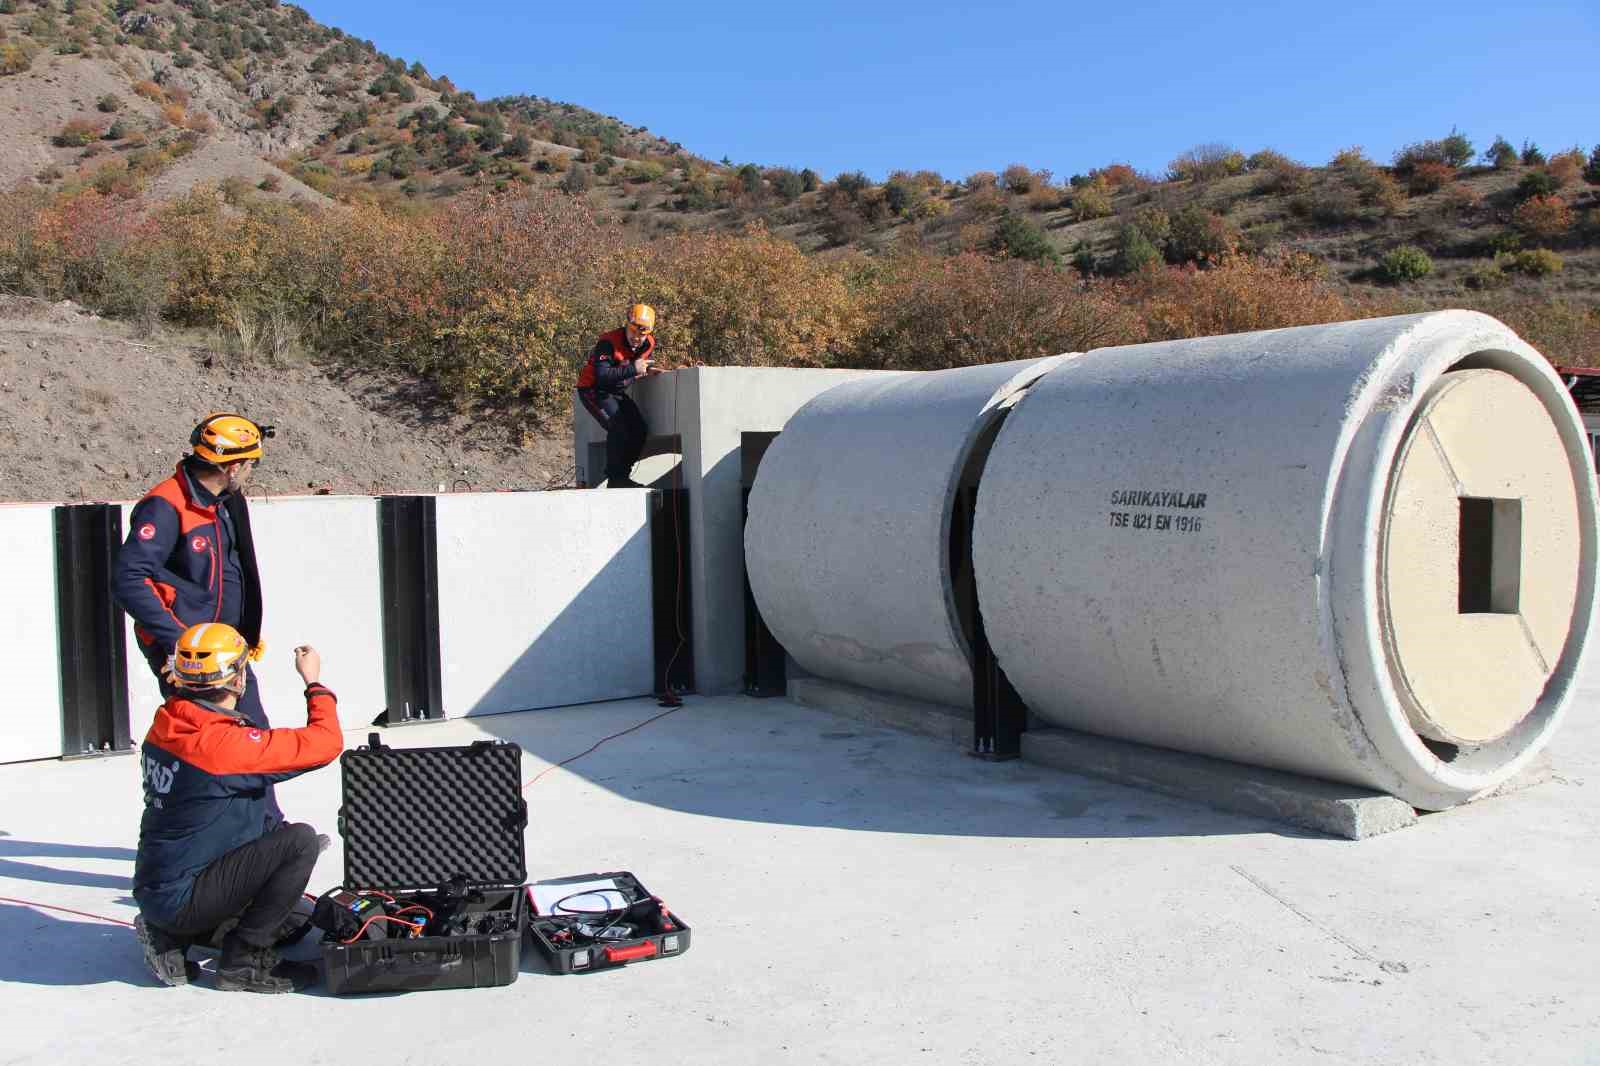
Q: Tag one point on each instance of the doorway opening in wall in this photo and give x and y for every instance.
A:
(766, 666)
(1490, 556)
(999, 716)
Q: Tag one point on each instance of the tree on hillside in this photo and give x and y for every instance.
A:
(1018, 238)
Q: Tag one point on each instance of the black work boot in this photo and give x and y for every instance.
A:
(165, 953)
(247, 968)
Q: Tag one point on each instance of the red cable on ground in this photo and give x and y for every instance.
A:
(65, 910)
(534, 779)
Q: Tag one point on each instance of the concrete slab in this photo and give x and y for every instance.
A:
(862, 895)
(1335, 809)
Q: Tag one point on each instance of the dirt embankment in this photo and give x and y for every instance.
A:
(89, 411)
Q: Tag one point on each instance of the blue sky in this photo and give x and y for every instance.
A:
(958, 88)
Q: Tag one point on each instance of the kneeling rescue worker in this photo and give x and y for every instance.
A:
(211, 852)
(617, 359)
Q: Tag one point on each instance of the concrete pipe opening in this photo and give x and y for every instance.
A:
(1362, 551)
(855, 545)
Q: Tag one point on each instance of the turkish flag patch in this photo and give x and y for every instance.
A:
(255, 735)
(198, 544)
(147, 531)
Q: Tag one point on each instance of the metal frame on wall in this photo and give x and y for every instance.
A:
(409, 566)
(91, 635)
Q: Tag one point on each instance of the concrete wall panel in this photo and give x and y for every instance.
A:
(544, 599)
(32, 719)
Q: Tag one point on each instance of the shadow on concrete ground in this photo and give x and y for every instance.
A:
(47, 949)
(773, 761)
(11, 850)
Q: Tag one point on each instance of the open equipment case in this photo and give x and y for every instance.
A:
(584, 931)
(434, 868)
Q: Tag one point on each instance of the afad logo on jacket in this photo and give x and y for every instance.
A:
(159, 777)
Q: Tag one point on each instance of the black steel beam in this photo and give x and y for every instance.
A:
(90, 631)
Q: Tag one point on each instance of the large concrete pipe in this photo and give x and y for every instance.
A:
(1362, 551)
(848, 542)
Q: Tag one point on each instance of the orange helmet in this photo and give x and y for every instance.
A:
(642, 317)
(209, 655)
(220, 439)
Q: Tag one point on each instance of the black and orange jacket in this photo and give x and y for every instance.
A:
(206, 776)
(169, 572)
(609, 367)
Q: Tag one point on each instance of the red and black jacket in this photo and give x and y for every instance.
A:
(169, 573)
(609, 367)
(207, 777)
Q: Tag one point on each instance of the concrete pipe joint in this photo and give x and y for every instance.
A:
(1362, 551)
(855, 543)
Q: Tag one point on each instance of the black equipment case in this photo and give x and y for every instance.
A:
(567, 940)
(434, 837)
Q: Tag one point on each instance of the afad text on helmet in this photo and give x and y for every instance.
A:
(1141, 498)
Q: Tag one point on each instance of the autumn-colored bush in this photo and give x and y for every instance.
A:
(1534, 262)
(1115, 176)
(77, 133)
(750, 299)
(16, 56)
(1091, 201)
(1207, 162)
(1566, 167)
(1543, 217)
(150, 91)
(1239, 295)
(1429, 176)
(929, 312)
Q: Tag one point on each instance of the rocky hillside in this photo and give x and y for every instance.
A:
(137, 96)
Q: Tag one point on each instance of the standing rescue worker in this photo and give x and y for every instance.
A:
(189, 556)
(208, 855)
(617, 359)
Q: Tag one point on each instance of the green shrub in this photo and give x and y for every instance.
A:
(852, 183)
(810, 181)
(108, 103)
(1537, 183)
(1591, 172)
(118, 130)
(1484, 276)
(1405, 263)
(1201, 236)
(576, 180)
(1135, 252)
(1531, 156)
(787, 184)
(1019, 238)
(1534, 262)
(1458, 150)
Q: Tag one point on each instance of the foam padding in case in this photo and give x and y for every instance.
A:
(420, 817)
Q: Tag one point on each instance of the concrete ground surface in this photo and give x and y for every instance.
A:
(864, 896)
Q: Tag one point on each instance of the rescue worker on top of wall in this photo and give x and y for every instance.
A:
(208, 856)
(617, 359)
